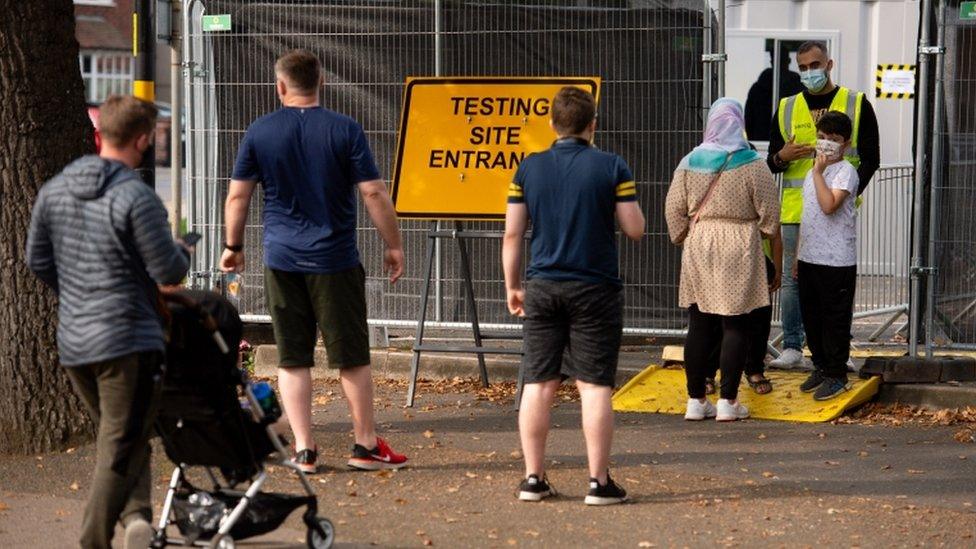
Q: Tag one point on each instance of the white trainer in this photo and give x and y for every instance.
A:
(788, 359)
(730, 411)
(698, 410)
(138, 534)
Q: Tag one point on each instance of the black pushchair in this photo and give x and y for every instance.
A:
(204, 423)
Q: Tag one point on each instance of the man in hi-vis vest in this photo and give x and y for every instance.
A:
(791, 150)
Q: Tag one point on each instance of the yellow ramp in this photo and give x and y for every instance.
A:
(662, 390)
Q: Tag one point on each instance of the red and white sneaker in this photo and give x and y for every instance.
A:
(379, 458)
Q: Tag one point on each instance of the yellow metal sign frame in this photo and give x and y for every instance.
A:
(461, 139)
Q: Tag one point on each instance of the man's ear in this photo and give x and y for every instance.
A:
(143, 141)
(592, 127)
(281, 87)
(830, 65)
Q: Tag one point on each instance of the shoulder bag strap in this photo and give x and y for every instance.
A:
(708, 194)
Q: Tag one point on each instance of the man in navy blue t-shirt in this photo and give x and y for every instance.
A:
(310, 161)
(572, 193)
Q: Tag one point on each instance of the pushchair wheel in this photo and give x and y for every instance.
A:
(321, 533)
(222, 542)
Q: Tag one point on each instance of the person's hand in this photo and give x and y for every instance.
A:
(232, 262)
(516, 301)
(393, 263)
(791, 151)
(820, 163)
(777, 281)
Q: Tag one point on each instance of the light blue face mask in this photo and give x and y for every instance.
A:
(814, 79)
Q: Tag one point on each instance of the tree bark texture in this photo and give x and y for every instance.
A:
(43, 126)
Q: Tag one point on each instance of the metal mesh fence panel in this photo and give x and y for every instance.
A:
(955, 304)
(647, 52)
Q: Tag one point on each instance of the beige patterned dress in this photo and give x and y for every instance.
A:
(722, 265)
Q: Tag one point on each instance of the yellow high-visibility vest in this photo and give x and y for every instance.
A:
(795, 120)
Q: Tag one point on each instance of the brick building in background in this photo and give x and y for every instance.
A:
(104, 32)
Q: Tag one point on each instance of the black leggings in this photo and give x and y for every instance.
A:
(708, 331)
(760, 321)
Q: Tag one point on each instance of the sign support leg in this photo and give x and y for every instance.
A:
(419, 339)
(472, 305)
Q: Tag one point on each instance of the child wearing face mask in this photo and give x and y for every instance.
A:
(826, 267)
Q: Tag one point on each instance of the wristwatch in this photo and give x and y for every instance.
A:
(779, 161)
(236, 249)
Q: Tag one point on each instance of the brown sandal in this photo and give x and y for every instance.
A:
(762, 386)
(709, 385)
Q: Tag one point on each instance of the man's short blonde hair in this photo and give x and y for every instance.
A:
(123, 118)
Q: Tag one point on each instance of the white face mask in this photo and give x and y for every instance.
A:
(828, 148)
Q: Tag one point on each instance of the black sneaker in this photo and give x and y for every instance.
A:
(815, 380)
(831, 387)
(305, 460)
(608, 494)
(533, 489)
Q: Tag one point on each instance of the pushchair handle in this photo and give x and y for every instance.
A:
(209, 322)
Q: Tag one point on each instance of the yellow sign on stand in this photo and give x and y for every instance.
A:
(461, 140)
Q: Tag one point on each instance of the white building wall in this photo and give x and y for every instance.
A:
(863, 34)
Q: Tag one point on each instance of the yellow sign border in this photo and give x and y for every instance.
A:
(413, 81)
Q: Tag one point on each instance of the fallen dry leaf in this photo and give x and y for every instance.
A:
(428, 434)
(74, 486)
(4, 506)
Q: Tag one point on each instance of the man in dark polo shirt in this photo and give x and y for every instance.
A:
(573, 298)
(310, 161)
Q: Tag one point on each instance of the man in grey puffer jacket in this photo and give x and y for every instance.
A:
(100, 238)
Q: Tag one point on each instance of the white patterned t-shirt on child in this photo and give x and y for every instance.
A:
(830, 239)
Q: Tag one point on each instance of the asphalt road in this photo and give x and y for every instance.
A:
(692, 484)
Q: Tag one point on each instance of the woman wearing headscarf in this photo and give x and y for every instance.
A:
(721, 204)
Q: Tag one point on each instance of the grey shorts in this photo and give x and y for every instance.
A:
(583, 318)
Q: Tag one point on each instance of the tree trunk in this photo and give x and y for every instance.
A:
(43, 126)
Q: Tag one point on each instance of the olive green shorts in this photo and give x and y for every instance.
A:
(335, 303)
